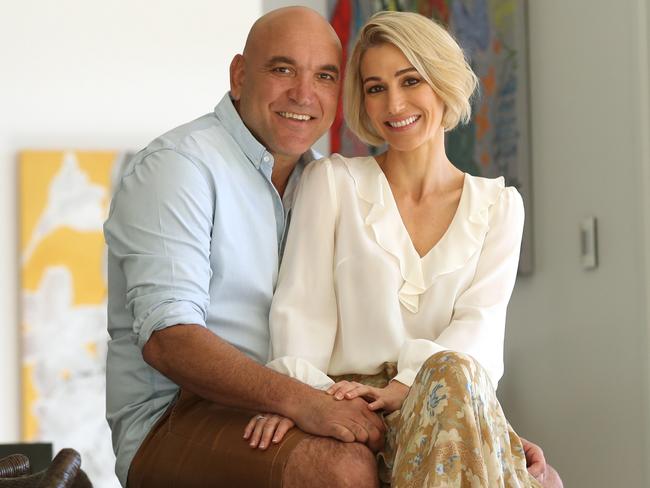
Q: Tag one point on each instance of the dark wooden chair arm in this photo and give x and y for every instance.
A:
(64, 472)
(14, 466)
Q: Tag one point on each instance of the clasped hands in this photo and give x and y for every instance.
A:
(265, 429)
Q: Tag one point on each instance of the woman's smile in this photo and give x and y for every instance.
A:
(402, 123)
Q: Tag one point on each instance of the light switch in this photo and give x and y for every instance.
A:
(589, 243)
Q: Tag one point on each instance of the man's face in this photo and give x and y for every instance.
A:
(286, 86)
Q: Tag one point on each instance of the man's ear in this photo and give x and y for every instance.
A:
(236, 76)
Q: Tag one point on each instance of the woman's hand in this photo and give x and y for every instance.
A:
(266, 428)
(387, 399)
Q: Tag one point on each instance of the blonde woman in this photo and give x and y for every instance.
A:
(398, 269)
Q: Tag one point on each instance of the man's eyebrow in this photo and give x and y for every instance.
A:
(280, 60)
(397, 73)
(331, 68)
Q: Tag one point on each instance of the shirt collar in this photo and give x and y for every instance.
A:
(227, 114)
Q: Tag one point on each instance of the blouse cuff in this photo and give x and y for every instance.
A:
(406, 376)
(301, 370)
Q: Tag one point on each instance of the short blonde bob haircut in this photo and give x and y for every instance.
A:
(431, 51)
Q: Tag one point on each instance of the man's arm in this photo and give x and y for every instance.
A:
(196, 359)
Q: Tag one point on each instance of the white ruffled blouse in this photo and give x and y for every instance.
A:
(353, 292)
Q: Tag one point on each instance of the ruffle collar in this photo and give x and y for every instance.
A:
(463, 238)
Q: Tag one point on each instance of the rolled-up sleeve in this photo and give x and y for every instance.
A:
(159, 232)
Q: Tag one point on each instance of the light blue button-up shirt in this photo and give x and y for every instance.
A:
(194, 236)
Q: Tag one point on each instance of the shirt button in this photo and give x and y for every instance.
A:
(266, 159)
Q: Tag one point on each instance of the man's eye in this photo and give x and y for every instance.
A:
(326, 76)
(281, 69)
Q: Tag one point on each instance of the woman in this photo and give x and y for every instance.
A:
(394, 261)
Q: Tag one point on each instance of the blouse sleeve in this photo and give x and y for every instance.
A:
(477, 324)
(303, 318)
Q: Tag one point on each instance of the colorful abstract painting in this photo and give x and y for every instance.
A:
(64, 198)
(492, 34)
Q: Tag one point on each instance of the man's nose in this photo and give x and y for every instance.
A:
(302, 92)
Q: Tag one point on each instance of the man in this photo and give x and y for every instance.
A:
(194, 236)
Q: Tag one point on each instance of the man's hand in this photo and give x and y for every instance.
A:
(266, 428)
(535, 461)
(347, 423)
(350, 421)
(387, 399)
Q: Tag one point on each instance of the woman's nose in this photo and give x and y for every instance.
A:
(395, 102)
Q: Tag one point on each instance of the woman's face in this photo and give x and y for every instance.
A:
(401, 105)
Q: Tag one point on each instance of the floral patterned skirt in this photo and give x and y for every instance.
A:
(450, 431)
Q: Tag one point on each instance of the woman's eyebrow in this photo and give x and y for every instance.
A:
(371, 78)
(397, 73)
(405, 70)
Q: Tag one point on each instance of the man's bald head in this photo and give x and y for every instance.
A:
(286, 18)
(285, 85)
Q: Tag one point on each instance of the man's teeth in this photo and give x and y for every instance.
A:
(405, 122)
(291, 115)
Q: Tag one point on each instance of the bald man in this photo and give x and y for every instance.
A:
(194, 237)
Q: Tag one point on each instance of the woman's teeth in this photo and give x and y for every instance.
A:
(405, 122)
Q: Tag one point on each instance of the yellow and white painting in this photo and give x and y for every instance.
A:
(64, 199)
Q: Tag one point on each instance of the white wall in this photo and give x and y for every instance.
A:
(93, 74)
(577, 343)
(318, 5)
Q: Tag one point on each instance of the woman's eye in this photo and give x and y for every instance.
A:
(374, 89)
(411, 81)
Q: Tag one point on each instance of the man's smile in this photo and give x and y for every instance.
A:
(295, 116)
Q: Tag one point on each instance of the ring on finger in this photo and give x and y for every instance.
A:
(260, 417)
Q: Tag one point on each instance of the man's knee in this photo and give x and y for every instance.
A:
(357, 465)
(325, 462)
